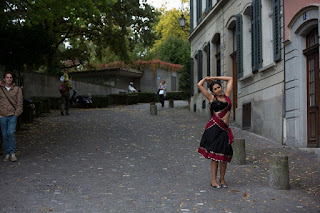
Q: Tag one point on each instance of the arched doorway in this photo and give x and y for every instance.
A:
(313, 88)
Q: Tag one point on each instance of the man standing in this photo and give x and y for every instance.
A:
(65, 94)
(11, 104)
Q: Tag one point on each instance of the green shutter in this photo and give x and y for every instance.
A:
(191, 15)
(258, 33)
(208, 5)
(199, 66)
(239, 43)
(208, 59)
(253, 43)
(191, 76)
(276, 30)
(199, 11)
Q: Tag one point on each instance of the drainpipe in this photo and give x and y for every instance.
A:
(284, 75)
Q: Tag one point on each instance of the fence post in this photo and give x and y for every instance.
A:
(152, 103)
(279, 172)
(153, 109)
(171, 104)
(239, 151)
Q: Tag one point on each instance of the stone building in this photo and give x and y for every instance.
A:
(243, 39)
(302, 83)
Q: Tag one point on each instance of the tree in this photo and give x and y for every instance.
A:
(168, 26)
(117, 25)
(177, 50)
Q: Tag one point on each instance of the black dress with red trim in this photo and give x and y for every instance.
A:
(217, 138)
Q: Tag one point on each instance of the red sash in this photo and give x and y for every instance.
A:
(217, 120)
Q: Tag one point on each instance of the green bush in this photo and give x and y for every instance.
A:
(177, 96)
(53, 103)
(100, 101)
(147, 97)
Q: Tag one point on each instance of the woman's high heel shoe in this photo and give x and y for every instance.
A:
(217, 186)
(223, 185)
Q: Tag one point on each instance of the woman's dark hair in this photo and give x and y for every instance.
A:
(213, 83)
(210, 87)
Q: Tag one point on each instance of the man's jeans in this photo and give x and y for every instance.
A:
(8, 129)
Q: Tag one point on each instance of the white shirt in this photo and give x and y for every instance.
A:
(8, 88)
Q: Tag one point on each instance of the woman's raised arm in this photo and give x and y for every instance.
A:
(224, 78)
(204, 91)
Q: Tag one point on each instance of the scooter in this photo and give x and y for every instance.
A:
(83, 101)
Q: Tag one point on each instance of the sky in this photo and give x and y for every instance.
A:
(170, 4)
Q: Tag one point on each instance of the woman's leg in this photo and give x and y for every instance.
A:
(214, 171)
(223, 169)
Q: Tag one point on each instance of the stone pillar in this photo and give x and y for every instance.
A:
(153, 109)
(279, 172)
(239, 151)
(152, 103)
(171, 105)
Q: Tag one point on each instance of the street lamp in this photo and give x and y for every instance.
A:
(182, 21)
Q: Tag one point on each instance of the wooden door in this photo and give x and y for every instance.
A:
(313, 89)
(313, 100)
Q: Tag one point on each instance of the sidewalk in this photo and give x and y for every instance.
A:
(122, 159)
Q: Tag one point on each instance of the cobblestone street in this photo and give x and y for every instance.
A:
(122, 159)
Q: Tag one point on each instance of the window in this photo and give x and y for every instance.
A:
(199, 66)
(208, 58)
(246, 116)
(173, 83)
(239, 44)
(312, 38)
(191, 76)
(218, 56)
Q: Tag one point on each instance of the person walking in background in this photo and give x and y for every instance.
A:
(131, 89)
(65, 94)
(11, 106)
(216, 140)
(162, 92)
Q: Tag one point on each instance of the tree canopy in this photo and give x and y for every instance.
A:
(34, 33)
(168, 26)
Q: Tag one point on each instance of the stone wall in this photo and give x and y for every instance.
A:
(35, 84)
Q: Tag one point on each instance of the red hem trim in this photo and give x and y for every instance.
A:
(214, 156)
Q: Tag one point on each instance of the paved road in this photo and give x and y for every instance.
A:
(122, 159)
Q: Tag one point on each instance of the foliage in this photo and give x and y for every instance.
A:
(176, 50)
(86, 25)
(168, 26)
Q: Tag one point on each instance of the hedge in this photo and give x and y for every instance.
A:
(112, 99)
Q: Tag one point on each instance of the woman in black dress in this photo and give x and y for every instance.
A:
(216, 140)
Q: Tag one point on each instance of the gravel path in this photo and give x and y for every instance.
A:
(122, 159)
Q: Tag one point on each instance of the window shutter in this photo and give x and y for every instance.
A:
(239, 43)
(208, 59)
(199, 66)
(191, 15)
(276, 30)
(258, 28)
(191, 76)
(208, 5)
(253, 43)
(199, 10)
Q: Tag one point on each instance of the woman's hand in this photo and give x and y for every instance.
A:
(210, 79)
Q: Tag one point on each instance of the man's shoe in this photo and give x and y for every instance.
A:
(67, 113)
(13, 157)
(62, 114)
(6, 158)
